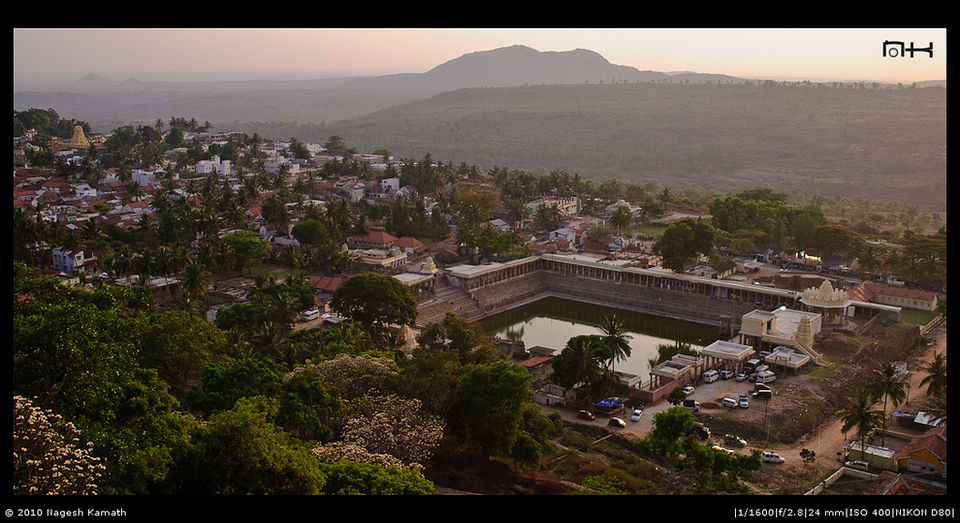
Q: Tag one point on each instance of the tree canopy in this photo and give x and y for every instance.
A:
(375, 300)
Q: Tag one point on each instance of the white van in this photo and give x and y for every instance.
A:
(730, 402)
(711, 376)
(311, 314)
(765, 377)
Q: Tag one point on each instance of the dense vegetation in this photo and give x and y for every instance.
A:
(170, 403)
(886, 144)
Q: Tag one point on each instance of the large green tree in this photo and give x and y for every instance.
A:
(375, 300)
(241, 451)
(581, 361)
(488, 406)
(683, 240)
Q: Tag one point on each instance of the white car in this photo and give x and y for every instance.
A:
(741, 377)
(636, 415)
(688, 390)
(771, 457)
(726, 374)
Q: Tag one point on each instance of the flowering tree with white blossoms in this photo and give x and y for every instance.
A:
(48, 457)
(390, 424)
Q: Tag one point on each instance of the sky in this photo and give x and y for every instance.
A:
(832, 54)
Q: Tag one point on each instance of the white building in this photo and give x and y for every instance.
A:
(214, 165)
(146, 178)
(390, 183)
(272, 165)
(69, 261)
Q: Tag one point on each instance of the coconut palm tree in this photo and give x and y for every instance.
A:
(859, 413)
(888, 384)
(936, 378)
(621, 218)
(194, 277)
(583, 357)
(616, 339)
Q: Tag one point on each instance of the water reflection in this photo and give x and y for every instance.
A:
(550, 322)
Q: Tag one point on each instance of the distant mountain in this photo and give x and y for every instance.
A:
(520, 65)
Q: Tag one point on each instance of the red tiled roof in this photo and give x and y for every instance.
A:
(893, 484)
(534, 361)
(410, 242)
(376, 238)
(868, 289)
(934, 440)
(325, 283)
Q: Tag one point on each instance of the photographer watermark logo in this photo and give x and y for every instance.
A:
(897, 49)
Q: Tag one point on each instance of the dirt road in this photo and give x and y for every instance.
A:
(826, 442)
(831, 438)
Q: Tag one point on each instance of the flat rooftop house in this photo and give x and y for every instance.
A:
(726, 354)
(788, 358)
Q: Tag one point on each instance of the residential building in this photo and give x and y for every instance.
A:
(372, 240)
(214, 165)
(70, 261)
(871, 291)
(925, 454)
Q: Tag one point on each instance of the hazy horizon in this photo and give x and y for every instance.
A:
(154, 54)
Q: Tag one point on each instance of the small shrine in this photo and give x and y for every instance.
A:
(829, 302)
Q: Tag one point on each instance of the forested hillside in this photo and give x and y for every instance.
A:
(859, 140)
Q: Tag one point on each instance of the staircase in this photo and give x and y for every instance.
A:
(448, 298)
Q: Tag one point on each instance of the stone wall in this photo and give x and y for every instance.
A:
(681, 305)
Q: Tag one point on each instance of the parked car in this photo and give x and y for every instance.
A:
(692, 405)
(760, 386)
(636, 415)
(726, 374)
(734, 441)
(310, 315)
(729, 402)
(771, 457)
(586, 414)
(763, 394)
(688, 390)
(699, 430)
(858, 464)
(617, 423)
(711, 376)
(741, 376)
(744, 403)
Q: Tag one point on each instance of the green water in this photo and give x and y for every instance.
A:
(550, 322)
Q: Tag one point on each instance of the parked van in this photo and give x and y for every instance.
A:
(710, 376)
(311, 314)
(692, 405)
(729, 402)
(766, 377)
